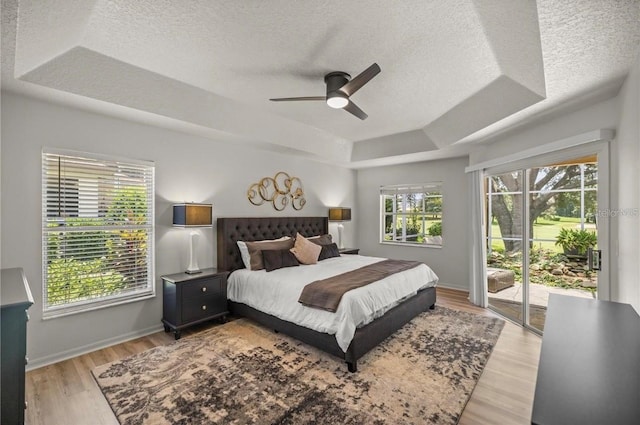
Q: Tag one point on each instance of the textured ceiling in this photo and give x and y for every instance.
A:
(452, 72)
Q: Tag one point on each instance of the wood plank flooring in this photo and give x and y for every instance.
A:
(66, 394)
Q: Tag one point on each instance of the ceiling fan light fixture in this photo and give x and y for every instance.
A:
(340, 86)
(337, 100)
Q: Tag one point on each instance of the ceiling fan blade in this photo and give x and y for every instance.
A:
(360, 80)
(353, 109)
(295, 99)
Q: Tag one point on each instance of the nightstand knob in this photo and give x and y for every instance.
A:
(204, 289)
(204, 307)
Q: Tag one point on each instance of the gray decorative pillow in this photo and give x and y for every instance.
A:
(321, 239)
(329, 251)
(255, 250)
(278, 259)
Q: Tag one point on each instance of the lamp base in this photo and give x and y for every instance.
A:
(193, 259)
(340, 231)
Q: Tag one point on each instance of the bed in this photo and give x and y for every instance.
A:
(366, 337)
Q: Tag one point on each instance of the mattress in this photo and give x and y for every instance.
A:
(277, 292)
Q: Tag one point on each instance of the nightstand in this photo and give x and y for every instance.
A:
(354, 251)
(193, 298)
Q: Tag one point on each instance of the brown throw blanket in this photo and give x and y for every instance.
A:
(327, 293)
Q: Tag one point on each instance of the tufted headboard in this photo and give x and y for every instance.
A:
(231, 229)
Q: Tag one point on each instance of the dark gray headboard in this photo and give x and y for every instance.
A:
(232, 229)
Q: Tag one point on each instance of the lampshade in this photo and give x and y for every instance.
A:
(339, 214)
(192, 215)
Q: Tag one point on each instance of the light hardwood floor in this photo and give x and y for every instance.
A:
(66, 394)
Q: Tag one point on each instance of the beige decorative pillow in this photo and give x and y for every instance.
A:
(255, 250)
(306, 252)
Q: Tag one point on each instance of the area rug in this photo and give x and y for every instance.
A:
(242, 373)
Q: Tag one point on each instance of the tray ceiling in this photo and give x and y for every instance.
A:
(453, 73)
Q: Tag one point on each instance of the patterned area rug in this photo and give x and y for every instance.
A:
(241, 373)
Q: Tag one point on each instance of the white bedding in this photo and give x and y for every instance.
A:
(277, 292)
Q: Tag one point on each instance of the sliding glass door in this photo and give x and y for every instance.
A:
(542, 237)
(505, 202)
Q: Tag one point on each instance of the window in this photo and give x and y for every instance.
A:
(97, 231)
(411, 214)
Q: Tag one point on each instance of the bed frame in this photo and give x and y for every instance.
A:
(231, 230)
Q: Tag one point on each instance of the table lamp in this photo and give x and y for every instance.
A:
(192, 215)
(340, 215)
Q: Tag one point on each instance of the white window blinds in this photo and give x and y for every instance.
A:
(97, 231)
(427, 188)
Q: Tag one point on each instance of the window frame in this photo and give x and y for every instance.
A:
(394, 190)
(129, 295)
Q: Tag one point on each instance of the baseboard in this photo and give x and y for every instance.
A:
(452, 287)
(78, 351)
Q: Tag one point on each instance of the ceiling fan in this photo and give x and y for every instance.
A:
(340, 86)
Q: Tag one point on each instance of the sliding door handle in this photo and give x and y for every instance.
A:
(593, 257)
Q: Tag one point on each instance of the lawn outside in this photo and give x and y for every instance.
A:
(545, 232)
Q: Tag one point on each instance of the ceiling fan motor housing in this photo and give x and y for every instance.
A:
(334, 81)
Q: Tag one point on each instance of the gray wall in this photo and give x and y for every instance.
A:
(600, 115)
(449, 262)
(188, 168)
(625, 228)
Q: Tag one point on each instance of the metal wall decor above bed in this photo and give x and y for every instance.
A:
(279, 190)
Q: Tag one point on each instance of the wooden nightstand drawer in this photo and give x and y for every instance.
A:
(203, 307)
(202, 288)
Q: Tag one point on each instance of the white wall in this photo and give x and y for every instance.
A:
(603, 114)
(626, 171)
(188, 168)
(451, 261)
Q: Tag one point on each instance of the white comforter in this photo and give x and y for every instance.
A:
(277, 292)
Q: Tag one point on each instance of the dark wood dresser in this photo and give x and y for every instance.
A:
(589, 371)
(15, 300)
(193, 298)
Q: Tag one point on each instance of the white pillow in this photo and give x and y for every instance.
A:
(244, 250)
(244, 253)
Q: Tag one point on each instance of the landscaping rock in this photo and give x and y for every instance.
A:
(548, 268)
